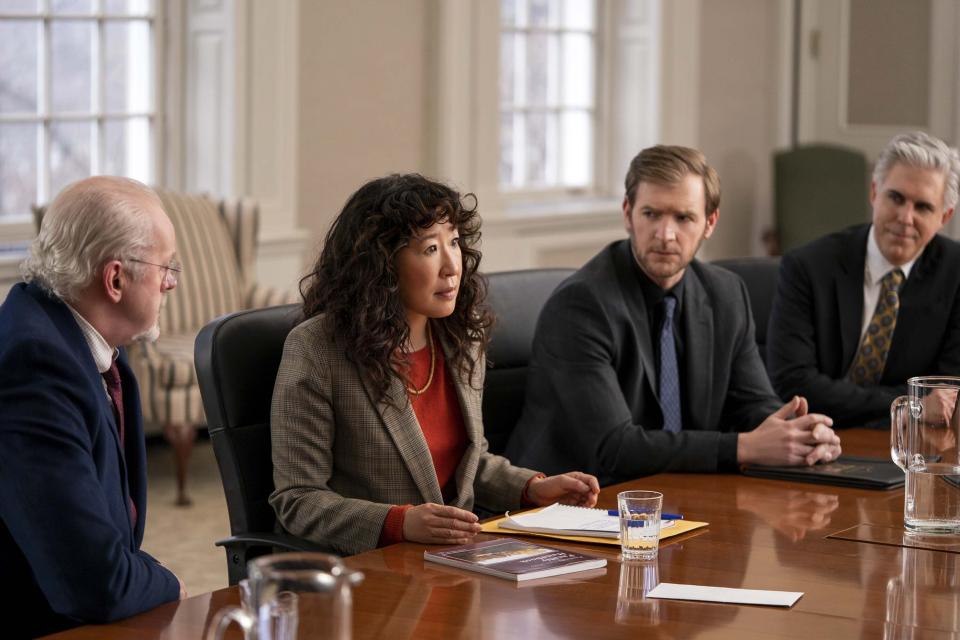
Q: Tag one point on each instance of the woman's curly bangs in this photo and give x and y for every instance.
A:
(355, 280)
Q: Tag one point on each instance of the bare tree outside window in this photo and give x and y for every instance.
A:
(77, 82)
(547, 94)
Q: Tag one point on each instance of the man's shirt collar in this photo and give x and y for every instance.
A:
(653, 295)
(103, 353)
(876, 266)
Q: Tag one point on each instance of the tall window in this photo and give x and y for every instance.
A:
(77, 96)
(548, 51)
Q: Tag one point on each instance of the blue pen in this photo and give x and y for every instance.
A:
(663, 516)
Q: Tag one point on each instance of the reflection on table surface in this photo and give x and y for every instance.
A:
(763, 534)
(926, 594)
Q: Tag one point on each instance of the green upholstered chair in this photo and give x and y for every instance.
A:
(818, 189)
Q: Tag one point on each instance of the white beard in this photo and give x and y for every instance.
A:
(153, 333)
(150, 335)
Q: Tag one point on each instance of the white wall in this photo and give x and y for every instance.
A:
(358, 97)
(362, 77)
(368, 77)
(739, 117)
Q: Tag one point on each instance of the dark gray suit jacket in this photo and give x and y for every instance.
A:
(591, 399)
(816, 321)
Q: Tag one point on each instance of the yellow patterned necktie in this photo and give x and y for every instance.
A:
(872, 355)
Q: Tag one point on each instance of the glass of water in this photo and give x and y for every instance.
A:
(639, 524)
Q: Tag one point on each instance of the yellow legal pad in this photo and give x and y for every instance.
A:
(680, 526)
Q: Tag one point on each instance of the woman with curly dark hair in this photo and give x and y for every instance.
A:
(376, 426)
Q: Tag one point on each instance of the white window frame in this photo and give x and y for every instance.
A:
(599, 34)
(20, 229)
(465, 105)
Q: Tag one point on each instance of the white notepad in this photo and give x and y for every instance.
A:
(671, 591)
(561, 519)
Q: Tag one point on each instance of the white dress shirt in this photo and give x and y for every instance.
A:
(874, 268)
(103, 353)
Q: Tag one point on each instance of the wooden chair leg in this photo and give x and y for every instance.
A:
(181, 436)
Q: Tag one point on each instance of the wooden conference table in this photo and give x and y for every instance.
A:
(840, 546)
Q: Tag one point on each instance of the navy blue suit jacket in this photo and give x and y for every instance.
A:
(68, 552)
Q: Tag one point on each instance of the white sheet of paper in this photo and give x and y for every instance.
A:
(671, 591)
(561, 518)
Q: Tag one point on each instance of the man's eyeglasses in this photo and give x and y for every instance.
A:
(171, 272)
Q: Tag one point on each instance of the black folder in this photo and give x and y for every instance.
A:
(845, 471)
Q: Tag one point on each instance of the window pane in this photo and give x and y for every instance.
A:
(535, 149)
(547, 88)
(18, 6)
(127, 7)
(127, 147)
(18, 169)
(551, 153)
(508, 12)
(507, 148)
(127, 66)
(577, 70)
(71, 82)
(71, 6)
(69, 153)
(542, 70)
(507, 65)
(577, 149)
(543, 13)
(18, 65)
(578, 14)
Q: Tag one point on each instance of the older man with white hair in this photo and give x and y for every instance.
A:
(72, 468)
(860, 311)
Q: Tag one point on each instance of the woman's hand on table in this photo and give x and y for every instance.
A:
(433, 523)
(573, 488)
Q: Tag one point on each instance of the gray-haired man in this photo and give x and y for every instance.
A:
(72, 472)
(859, 311)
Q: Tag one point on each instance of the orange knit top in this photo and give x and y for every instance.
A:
(438, 412)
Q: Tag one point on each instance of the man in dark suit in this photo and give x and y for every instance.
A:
(645, 359)
(860, 311)
(72, 467)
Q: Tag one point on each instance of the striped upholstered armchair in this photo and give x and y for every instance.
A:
(216, 243)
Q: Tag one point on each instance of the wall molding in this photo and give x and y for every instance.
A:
(559, 240)
(680, 98)
(265, 70)
(206, 144)
(280, 258)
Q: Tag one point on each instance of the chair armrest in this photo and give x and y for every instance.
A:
(243, 548)
(282, 540)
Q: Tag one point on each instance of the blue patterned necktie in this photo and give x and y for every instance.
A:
(669, 376)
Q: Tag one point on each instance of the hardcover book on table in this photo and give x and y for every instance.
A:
(514, 559)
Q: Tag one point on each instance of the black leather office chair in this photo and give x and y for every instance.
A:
(516, 298)
(760, 275)
(237, 357)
